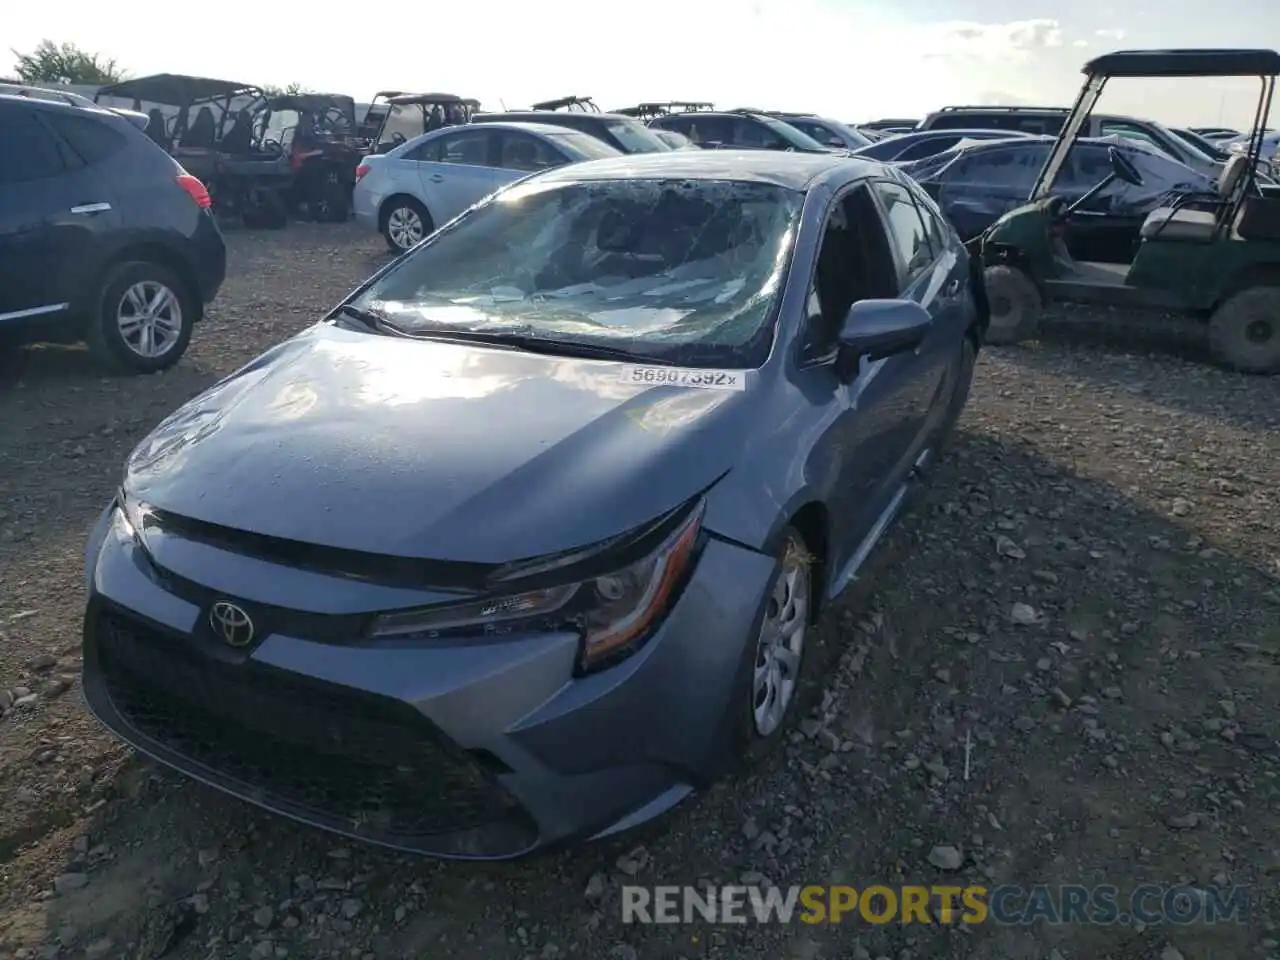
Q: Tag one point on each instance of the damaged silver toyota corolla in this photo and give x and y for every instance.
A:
(523, 542)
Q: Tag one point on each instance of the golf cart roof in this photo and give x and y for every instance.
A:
(561, 103)
(312, 102)
(177, 90)
(1186, 63)
(399, 99)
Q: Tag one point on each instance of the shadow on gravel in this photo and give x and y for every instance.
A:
(1185, 379)
(1118, 728)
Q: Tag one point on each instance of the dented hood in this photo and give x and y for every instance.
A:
(414, 448)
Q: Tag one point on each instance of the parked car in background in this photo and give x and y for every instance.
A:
(1048, 121)
(975, 185)
(676, 141)
(888, 124)
(70, 97)
(427, 181)
(104, 238)
(527, 541)
(903, 147)
(831, 133)
(738, 130)
(625, 134)
(1268, 154)
(1216, 133)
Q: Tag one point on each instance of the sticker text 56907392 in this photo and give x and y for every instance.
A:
(685, 377)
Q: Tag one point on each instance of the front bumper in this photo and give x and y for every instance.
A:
(483, 749)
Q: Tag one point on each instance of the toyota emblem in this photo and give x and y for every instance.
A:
(231, 623)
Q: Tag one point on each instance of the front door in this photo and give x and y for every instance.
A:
(51, 207)
(461, 169)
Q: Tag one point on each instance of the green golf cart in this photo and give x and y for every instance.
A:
(1212, 257)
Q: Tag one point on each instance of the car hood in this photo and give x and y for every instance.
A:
(435, 450)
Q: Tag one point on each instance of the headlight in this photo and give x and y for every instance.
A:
(613, 612)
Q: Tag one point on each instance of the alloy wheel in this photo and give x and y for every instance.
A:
(405, 227)
(149, 318)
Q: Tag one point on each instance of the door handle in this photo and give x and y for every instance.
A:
(88, 209)
(436, 178)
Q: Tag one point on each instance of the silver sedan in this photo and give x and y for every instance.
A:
(427, 181)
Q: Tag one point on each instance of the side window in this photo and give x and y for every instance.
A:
(906, 229)
(710, 130)
(678, 124)
(1129, 131)
(523, 152)
(426, 152)
(92, 140)
(935, 224)
(469, 148)
(1038, 124)
(30, 151)
(1086, 166)
(1013, 169)
(927, 147)
(750, 134)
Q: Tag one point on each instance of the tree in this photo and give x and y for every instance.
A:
(294, 89)
(66, 63)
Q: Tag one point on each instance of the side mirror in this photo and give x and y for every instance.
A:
(877, 329)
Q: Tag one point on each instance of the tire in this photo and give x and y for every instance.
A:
(398, 219)
(1244, 332)
(1015, 305)
(759, 728)
(116, 333)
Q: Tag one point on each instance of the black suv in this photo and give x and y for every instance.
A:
(738, 130)
(623, 133)
(104, 238)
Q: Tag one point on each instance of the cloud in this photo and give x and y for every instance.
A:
(1016, 40)
(1080, 43)
(1111, 33)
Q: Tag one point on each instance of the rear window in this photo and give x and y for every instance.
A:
(92, 140)
(635, 137)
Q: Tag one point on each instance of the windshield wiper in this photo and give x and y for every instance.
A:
(373, 320)
(522, 341)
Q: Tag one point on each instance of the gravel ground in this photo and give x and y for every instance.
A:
(1088, 596)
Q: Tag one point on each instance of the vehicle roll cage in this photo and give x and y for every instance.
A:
(572, 104)
(1263, 64)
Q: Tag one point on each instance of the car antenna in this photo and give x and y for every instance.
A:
(503, 104)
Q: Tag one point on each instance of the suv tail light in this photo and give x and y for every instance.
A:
(361, 170)
(195, 190)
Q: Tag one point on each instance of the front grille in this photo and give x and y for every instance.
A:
(350, 761)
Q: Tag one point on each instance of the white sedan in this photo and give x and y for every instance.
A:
(407, 193)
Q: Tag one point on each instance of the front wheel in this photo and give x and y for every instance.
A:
(143, 318)
(1015, 305)
(1244, 332)
(774, 684)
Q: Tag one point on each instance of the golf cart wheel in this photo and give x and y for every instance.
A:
(404, 222)
(1244, 332)
(143, 318)
(266, 211)
(1015, 305)
(775, 681)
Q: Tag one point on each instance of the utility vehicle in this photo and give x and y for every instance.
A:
(1212, 257)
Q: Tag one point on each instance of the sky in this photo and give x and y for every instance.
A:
(854, 60)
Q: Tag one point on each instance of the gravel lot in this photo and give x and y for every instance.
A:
(1088, 595)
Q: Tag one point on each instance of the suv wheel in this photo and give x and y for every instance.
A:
(144, 317)
(404, 222)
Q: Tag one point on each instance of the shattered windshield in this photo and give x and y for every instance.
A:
(685, 271)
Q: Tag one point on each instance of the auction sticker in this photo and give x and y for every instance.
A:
(685, 377)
